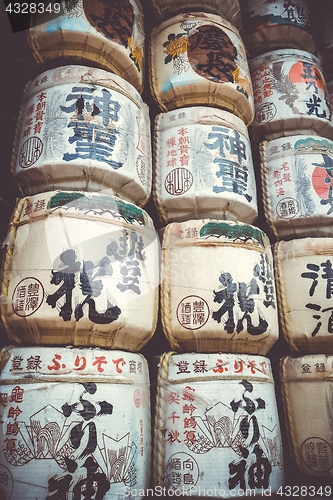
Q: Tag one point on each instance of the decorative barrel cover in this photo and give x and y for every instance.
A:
(307, 391)
(290, 95)
(80, 268)
(277, 24)
(108, 34)
(200, 59)
(303, 281)
(83, 129)
(218, 290)
(228, 9)
(216, 426)
(203, 166)
(73, 421)
(297, 183)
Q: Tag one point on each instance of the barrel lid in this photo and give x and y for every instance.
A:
(200, 115)
(282, 55)
(214, 232)
(84, 75)
(182, 368)
(300, 247)
(51, 364)
(203, 17)
(305, 368)
(83, 205)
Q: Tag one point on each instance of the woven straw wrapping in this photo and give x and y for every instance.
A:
(83, 232)
(83, 35)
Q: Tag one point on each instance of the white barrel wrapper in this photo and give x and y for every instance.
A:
(217, 288)
(290, 95)
(277, 24)
(84, 129)
(80, 268)
(73, 420)
(203, 166)
(297, 182)
(110, 35)
(303, 282)
(307, 391)
(217, 426)
(200, 59)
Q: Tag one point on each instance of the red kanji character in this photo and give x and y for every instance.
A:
(30, 109)
(41, 96)
(280, 192)
(263, 367)
(238, 366)
(189, 409)
(190, 437)
(117, 361)
(252, 365)
(27, 132)
(12, 429)
(173, 436)
(14, 412)
(173, 416)
(38, 128)
(276, 174)
(16, 395)
(84, 363)
(100, 360)
(3, 398)
(188, 393)
(182, 131)
(10, 444)
(219, 367)
(173, 397)
(190, 422)
(56, 365)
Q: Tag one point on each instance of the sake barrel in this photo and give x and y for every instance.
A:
(84, 129)
(80, 268)
(73, 421)
(109, 35)
(204, 439)
(203, 166)
(277, 24)
(229, 9)
(307, 392)
(297, 184)
(200, 59)
(303, 281)
(290, 95)
(217, 288)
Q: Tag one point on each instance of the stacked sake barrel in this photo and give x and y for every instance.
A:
(81, 264)
(293, 123)
(218, 302)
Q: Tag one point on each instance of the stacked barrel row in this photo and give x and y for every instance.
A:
(218, 301)
(81, 263)
(293, 124)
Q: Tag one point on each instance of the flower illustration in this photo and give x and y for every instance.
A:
(176, 45)
(136, 55)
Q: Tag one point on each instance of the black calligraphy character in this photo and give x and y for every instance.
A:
(312, 275)
(58, 486)
(226, 296)
(87, 412)
(92, 289)
(313, 107)
(247, 306)
(67, 277)
(260, 471)
(96, 483)
(237, 470)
